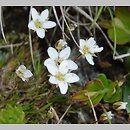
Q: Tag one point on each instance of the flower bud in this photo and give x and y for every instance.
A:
(106, 115)
(23, 73)
(60, 44)
(119, 105)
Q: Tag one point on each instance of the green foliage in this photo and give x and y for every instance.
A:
(99, 89)
(12, 115)
(113, 92)
(97, 16)
(126, 92)
(121, 22)
(39, 67)
(3, 57)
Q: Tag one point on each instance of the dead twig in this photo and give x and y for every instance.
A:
(62, 12)
(13, 45)
(94, 112)
(64, 114)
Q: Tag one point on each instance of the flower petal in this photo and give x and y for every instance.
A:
(53, 54)
(31, 25)
(22, 68)
(44, 15)
(49, 61)
(82, 43)
(69, 64)
(65, 53)
(110, 115)
(53, 80)
(97, 49)
(40, 32)
(123, 105)
(24, 79)
(34, 13)
(81, 52)
(63, 87)
(90, 42)
(28, 74)
(71, 78)
(52, 69)
(89, 59)
(63, 67)
(49, 24)
(72, 65)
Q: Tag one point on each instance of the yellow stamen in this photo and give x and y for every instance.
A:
(38, 24)
(60, 76)
(86, 50)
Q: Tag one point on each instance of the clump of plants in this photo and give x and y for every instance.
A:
(36, 89)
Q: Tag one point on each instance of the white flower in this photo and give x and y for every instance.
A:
(88, 48)
(61, 77)
(60, 44)
(23, 73)
(40, 22)
(120, 105)
(57, 57)
(106, 115)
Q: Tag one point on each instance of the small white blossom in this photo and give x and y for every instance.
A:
(88, 48)
(40, 22)
(57, 57)
(23, 73)
(120, 105)
(61, 77)
(106, 115)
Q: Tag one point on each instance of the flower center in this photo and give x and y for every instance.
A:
(38, 24)
(86, 50)
(60, 76)
(58, 61)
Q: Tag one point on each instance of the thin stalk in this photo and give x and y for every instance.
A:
(109, 121)
(30, 41)
(64, 114)
(1, 25)
(68, 26)
(97, 16)
(57, 19)
(114, 29)
(94, 112)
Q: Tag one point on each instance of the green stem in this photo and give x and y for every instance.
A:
(97, 16)
(109, 121)
(114, 29)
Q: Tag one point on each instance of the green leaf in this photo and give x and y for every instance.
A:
(122, 37)
(113, 92)
(124, 15)
(121, 23)
(122, 32)
(103, 78)
(94, 89)
(105, 24)
(126, 92)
